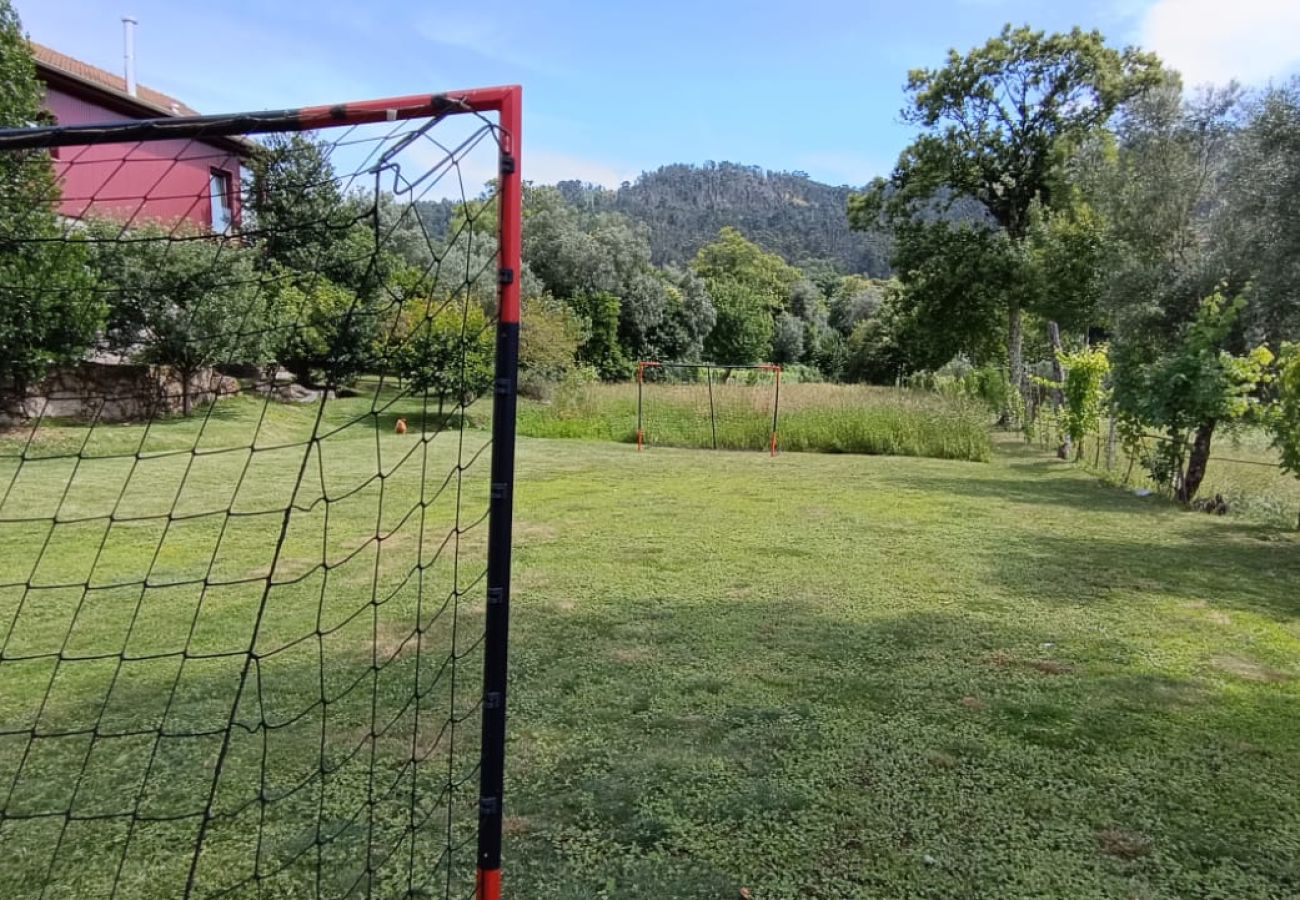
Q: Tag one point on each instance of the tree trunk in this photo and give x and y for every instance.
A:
(185, 391)
(1058, 397)
(1015, 347)
(1196, 462)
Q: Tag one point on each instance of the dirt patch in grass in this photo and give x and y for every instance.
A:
(631, 654)
(530, 534)
(513, 826)
(391, 641)
(1122, 843)
(1248, 669)
(1003, 659)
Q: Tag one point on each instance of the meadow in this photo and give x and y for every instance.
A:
(815, 675)
(823, 418)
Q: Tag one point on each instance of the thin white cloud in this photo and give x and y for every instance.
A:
(1220, 40)
(546, 167)
(843, 167)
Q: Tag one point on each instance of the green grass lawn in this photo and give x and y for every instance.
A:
(811, 676)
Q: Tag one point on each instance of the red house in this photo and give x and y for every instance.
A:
(160, 181)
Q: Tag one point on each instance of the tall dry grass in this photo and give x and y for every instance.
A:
(824, 418)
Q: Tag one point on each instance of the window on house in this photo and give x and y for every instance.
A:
(222, 218)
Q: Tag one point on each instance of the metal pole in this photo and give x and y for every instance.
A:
(776, 408)
(504, 401)
(713, 416)
(640, 431)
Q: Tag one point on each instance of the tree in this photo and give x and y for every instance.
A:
(301, 220)
(1083, 392)
(321, 335)
(998, 124)
(1258, 226)
(856, 298)
(742, 334)
(690, 317)
(181, 300)
(1188, 391)
(48, 312)
(1284, 417)
(445, 350)
(601, 349)
(549, 337)
(787, 340)
(749, 287)
(582, 256)
(734, 258)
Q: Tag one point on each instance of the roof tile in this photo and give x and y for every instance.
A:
(94, 75)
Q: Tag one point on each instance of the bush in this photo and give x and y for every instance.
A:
(444, 350)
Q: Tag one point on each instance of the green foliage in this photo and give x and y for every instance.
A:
(1258, 226)
(601, 349)
(998, 126)
(1084, 392)
(742, 332)
(300, 219)
(323, 334)
(690, 317)
(549, 336)
(48, 312)
(683, 206)
(1067, 253)
(787, 340)
(1284, 416)
(580, 256)
(180, 299)
(954, 284)
(1195, 385)
(444, 349)
(735, 260)
(856, 299)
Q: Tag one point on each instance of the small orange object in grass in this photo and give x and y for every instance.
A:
(401, 426)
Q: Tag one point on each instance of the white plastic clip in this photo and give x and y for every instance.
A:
(390, 115)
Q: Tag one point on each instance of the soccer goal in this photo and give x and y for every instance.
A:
(708, 405)
(256, 480)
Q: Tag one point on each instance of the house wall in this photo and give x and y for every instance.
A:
(163, 181)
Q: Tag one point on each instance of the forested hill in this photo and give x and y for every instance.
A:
(788, 213)
(685, 206)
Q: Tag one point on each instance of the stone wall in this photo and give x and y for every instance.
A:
(117, 392)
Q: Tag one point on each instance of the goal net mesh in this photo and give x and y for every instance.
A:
(244, 504)
(707, 406)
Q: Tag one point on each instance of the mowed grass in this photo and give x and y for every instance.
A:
(824, 418)
(808, 676)
(222, 594)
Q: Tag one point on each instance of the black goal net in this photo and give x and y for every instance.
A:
(256, 467)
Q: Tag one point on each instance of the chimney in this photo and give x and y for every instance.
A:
(128, 52)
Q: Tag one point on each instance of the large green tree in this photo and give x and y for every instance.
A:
(750, 288)
(181, 300)
(319, 245)
(48, 312)
(997, 125)
(1258, 226)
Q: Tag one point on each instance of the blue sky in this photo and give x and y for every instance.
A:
(614, 87)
